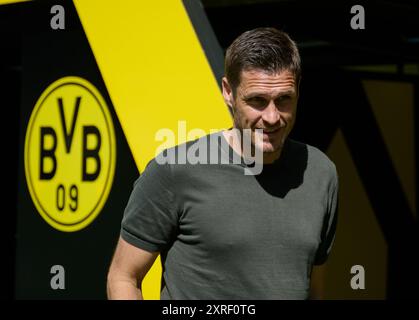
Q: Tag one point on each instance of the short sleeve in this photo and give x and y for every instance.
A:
(150, 220)
(330, 222)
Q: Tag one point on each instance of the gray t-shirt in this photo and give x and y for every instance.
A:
(226, 235)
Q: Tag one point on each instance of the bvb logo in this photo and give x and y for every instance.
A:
(70, 154)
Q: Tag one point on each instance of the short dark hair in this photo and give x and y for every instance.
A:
(267, 49)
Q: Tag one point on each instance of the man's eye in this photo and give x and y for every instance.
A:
(257, 102)
(283, 98)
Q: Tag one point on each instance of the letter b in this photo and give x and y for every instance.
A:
(47, 153)
(91, 153)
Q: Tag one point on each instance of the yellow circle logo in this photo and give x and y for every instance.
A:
(70, 154)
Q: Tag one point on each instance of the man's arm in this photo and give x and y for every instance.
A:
(128, 269)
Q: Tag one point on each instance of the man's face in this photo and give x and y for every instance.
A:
(264, 101)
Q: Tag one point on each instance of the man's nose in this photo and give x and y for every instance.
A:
(271, 114)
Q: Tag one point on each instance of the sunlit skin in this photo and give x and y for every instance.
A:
(265, 101)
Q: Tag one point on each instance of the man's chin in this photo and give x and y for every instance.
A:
(270, 148)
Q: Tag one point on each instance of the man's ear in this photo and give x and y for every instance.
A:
(227, 93)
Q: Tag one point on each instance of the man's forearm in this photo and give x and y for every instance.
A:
(119, 289)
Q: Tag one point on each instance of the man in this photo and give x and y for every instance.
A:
(223, 234)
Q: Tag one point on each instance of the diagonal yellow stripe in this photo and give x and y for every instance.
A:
(156, 73)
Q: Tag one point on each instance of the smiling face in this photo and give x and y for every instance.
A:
(264, 101)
